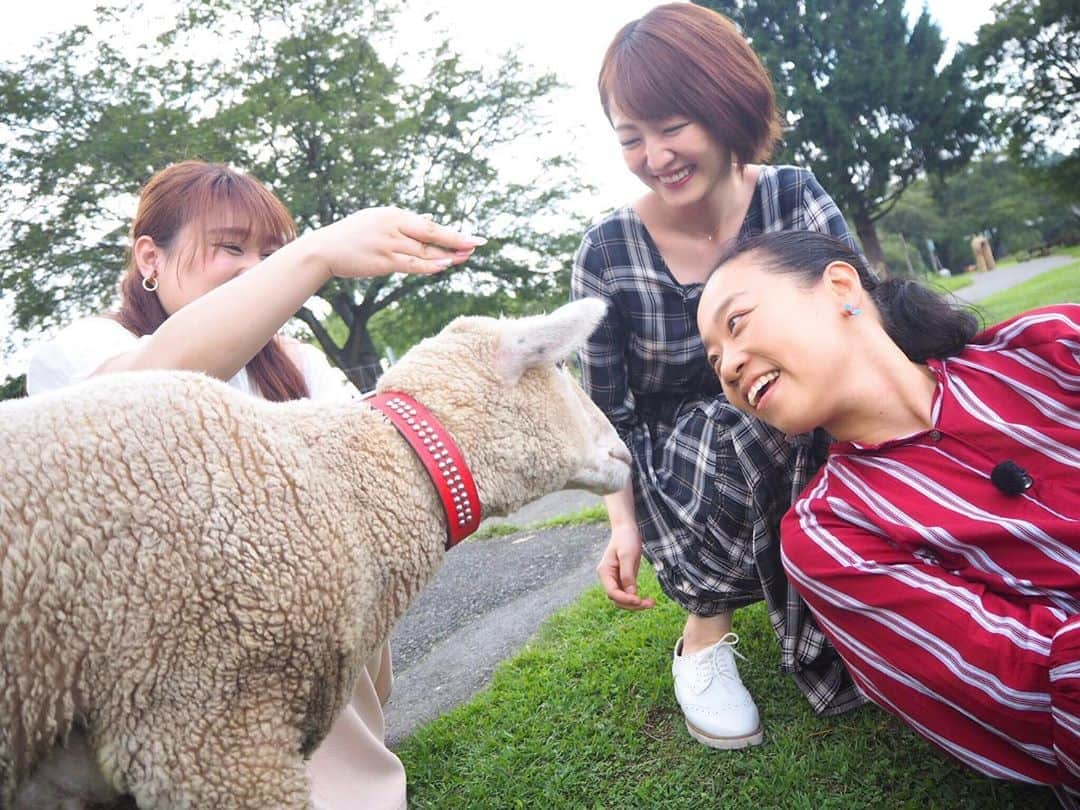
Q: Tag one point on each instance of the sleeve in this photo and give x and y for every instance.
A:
(820, 213)
(952, 657)
(77, 352)
(603, 362)
(324, 380)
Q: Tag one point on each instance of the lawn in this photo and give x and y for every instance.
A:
(585, 717)
(1057, 286)
(950, 283)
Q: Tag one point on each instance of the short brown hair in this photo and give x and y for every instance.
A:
(682, 59)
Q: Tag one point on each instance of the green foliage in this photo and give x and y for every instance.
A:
(585, 717)
(1030, 55)
(993, 194)
(901, 256)
(300, 95)
(13, 387)
(869, 105)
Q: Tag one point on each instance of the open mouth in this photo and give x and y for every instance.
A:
(761, 385)
(676, 178)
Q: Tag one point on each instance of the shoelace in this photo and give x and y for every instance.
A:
(721, 664)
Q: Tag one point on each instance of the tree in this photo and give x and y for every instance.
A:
(866, 104)
(1030, 55)
(13, 387)
(298, 94)
(992, 195)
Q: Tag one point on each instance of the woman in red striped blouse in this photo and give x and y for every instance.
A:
(939, 546)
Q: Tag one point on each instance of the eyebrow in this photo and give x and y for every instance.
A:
(722, 309)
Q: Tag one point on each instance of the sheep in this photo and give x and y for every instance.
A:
(190, 577)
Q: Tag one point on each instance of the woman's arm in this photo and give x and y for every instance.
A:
(221, 331)
(603, 356)
(604, 378)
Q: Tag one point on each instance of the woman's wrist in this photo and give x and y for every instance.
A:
(306, 258)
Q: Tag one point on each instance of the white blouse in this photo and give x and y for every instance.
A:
(80, 349)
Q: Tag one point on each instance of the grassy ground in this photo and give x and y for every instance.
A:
(950, 283)
(590, 514)
(1057, 286)
(585, 716)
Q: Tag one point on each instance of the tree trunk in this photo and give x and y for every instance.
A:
(864, 227)
(359, 358)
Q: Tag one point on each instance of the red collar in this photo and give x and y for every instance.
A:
(441, 457)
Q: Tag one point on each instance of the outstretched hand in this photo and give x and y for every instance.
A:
(378, 241)
(618, 569)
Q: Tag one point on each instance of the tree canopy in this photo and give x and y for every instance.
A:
(991, 195)
(1029, 55)
(868, 104)
(300, 94)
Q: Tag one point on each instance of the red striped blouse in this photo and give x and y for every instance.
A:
(941, 592)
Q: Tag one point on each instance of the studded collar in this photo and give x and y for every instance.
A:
(441, 457)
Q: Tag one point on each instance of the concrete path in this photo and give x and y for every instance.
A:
(1002, 278)
(486, 601)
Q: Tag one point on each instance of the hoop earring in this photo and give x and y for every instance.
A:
(150, 283)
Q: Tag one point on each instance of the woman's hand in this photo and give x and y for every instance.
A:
(618, 568)
(377, 241)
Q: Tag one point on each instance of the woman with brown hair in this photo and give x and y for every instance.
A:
(215, 270)
(695, 114)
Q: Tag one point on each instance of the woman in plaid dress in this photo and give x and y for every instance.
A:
(695, 113)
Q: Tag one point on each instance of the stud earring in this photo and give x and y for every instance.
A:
(850, 311)
(150, 283)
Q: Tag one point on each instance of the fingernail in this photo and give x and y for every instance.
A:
(444, 263)
(476, 240)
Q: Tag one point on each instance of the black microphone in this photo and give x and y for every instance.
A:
(1011, 478)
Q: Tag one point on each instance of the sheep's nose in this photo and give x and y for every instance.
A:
(620, 452)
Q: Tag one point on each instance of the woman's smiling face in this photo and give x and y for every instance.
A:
(778, 348)
(675, 156)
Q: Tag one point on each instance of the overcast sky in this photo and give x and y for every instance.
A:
(567, 37)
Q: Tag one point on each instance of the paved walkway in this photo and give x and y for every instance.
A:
(490, 596)
(1003, 278)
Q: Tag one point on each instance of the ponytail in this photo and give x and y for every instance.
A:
(920, 321)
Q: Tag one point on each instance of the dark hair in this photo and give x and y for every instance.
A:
(920, 321)
(682, 59)
(191, 192)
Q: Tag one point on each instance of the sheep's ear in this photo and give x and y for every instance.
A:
(545, 339)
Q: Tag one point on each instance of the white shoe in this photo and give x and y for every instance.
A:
(719, 711)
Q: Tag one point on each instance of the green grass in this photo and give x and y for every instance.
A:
(950, 283)
(590, 514)
(585, 717)
(1054, 287)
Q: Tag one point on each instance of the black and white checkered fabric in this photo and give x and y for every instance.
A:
(710, 483)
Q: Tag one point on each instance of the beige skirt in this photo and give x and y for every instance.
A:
(353, 768)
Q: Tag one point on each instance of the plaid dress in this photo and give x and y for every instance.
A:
(710, 483)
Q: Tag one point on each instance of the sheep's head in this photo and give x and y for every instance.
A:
(524, 424)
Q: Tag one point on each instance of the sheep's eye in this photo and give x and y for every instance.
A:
(560, 364)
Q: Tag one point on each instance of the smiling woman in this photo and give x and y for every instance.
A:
(694, 114)
(939, 545)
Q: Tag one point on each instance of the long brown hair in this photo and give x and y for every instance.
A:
(682, 59)
(190, 193)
